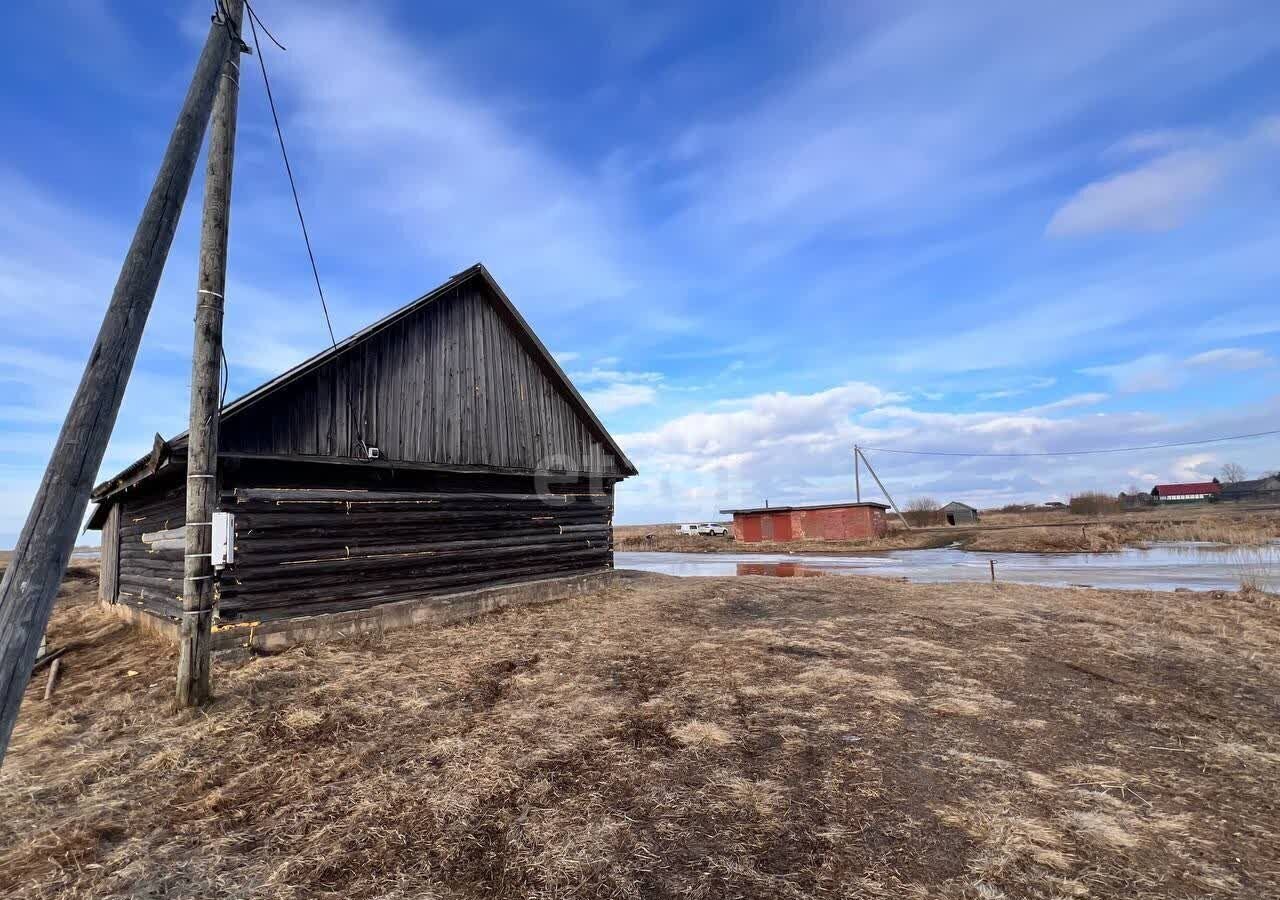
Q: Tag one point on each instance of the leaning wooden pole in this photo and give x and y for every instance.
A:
(883, 491)
(194, 636)
(857, 475)
(44, 546)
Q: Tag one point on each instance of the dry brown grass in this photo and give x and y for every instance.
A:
(1116, 534)
(747, 737)
(668, 538)
(1214, 523)
(1085, 538)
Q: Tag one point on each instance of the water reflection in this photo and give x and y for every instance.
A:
(1164, 567)
(781, 570)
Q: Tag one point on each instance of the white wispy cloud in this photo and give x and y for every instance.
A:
(1163, 371)
(1196, 467)
(1151, 372)
(1232, 359)
(1023, 386)
(619, 396)
(1072, 401)
(612, 390)
(1153, 197)
(1159, 194)
(597, 375)
(1158, 140)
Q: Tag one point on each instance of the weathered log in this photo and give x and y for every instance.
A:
(366, 573)
(373, 519)
(338, 495)
(255, 555)
(169, 588)
(286, 580)
(315, 601)
(339, 606)
(262, 541)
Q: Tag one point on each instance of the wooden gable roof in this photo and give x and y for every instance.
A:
(455, 379)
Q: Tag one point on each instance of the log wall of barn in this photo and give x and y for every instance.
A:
(306, 550)
(147, 577)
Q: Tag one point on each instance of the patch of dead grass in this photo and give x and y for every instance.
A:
(1008, 840)
(699, 738)
(701, 735)
(1101, 829)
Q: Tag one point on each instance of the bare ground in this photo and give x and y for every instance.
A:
(746, 737)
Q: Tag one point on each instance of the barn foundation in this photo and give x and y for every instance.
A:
(435, 610)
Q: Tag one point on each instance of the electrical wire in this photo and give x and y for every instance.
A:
(1216, 440)
(264, 27)
(226, 375)
(262, 63)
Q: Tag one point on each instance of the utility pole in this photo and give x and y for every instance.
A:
(194, 636)
(857, 475)
(44, 547)
(883, 491)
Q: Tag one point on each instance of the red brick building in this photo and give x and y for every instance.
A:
(823, 522)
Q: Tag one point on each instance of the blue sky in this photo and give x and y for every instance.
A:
(754, 234)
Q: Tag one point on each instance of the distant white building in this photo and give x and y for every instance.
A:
(1187, 493)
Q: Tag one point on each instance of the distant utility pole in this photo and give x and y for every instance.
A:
(44, 547)
(206, 365)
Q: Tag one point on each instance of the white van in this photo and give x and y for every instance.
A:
(704, 528)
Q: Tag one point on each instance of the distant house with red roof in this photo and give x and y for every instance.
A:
(1184, 493)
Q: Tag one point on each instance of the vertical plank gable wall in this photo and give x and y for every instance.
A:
(109, 573)
(451, 383)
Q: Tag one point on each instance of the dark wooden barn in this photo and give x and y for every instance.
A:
(958, 513)
(439, 451)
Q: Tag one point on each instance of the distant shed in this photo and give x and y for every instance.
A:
(821, 522)
(440, 450)
(958, 513)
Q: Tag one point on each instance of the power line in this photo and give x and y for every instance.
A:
(264, 28)
(1216, 440)
(262, 63)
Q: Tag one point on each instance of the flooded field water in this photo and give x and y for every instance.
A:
(1163, 567)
